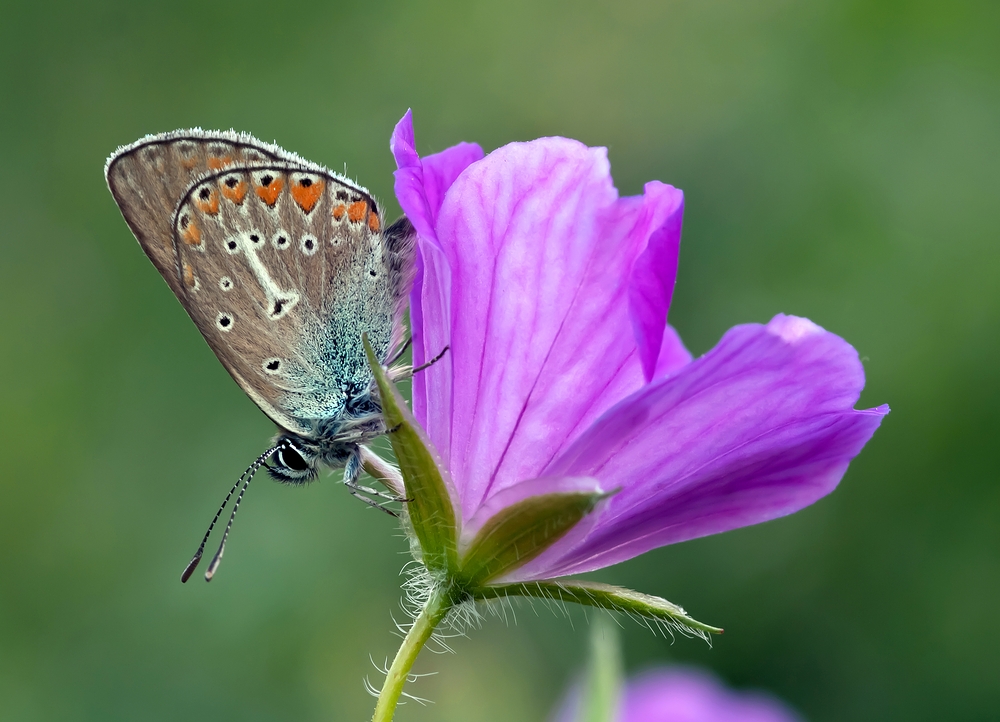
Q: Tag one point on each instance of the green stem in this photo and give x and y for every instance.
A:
(423, 627)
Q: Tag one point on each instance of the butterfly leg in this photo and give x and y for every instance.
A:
(352, 472)
(351, 476)
(430, 363)
(402, 373)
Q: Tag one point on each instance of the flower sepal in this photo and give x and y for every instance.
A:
(520, 532)
(513, 533)
(606, 596)
(429, 509)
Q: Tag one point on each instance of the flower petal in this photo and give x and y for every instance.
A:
(671, 695)
(761, 426)
(441, 170)
(654, 275)
(410, 177)
(540, 250)
(421, 184)
(431, 299)
(673, 354)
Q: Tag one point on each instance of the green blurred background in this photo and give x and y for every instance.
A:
(840, 162)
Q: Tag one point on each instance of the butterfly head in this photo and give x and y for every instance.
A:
(295, 460)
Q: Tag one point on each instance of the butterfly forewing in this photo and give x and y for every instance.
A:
(281, 264)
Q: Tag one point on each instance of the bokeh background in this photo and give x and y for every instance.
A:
(840, 161)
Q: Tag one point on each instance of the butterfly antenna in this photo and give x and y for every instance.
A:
(217, 559)
(193, 564)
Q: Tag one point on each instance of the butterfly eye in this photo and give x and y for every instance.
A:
(308, 245)
(224, 321)
(280, 240)
(291, 459)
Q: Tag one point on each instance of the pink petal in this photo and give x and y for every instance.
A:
(688, 695)
(421, 184)
(683, 694)
(673, 354)
(540, 250)
(761, 426)
(431, 299)
(654, 274)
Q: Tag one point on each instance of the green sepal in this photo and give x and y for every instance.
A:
(428, 505)
(605, 596)
(602, 684)
(522, 531)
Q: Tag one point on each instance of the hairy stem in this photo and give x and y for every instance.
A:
(423, 627)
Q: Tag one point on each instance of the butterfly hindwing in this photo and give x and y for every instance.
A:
(149, 177)
(283, 283)
(282, 265)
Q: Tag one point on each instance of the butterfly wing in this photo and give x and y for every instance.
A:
(282, 265)
(149, 177)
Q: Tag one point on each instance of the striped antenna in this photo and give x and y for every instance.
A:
(246, 475)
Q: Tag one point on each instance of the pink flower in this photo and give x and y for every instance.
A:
(552, 293)
(686, 695)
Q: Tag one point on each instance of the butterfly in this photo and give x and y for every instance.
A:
(283, 265)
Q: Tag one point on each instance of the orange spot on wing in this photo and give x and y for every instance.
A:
(307, 196)
(356, 211)
(188, 275)
(210, 206)
(374, 223)
(189, 163)
(269, 193)
(191, 235)
(236, 194)
(339, 211)
(216, 163)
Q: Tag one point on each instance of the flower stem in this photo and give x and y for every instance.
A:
(423, 627)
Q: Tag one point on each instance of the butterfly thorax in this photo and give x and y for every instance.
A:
(333, 441)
